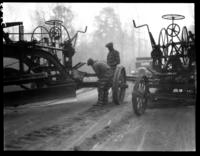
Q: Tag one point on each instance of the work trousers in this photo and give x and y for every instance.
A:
(104, 85)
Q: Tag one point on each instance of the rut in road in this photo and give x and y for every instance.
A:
(52, 135)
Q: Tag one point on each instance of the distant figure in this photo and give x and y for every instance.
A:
(113, 57)
(104, 74)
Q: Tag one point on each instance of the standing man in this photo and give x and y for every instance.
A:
(104, 74)
(113, 58)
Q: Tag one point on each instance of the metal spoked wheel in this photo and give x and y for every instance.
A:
(58, 32)
(173, 30)
(42, 61)
(38, 62)
(163, 45)
(184, 45)
(41, 35)
(140, 96)
(119, 85)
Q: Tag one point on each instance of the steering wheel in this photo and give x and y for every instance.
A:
(173, 17)
(173, 30)
(54, 22)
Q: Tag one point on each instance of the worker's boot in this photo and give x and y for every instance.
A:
(100, 97)
(105, 97)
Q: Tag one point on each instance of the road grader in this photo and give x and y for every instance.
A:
(44, 63)
(173, 67)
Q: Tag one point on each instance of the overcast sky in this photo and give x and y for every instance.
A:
(142, 13)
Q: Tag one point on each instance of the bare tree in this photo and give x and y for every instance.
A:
(65, 14)
(108, 28)
(108, 25)
(39, 17)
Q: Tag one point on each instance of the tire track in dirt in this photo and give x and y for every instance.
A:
(60, 136)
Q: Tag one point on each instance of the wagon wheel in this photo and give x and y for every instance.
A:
(184, 46)
(140, 96)
(42, 61)
(163, 45)
(173, 30)
(41, 35)
(119, 85)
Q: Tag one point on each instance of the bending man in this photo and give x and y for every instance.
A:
(104, 74)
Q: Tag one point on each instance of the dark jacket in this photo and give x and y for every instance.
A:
(113, 58)
(101, 69)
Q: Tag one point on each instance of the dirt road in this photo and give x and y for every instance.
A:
(69, 124)
(166, 129)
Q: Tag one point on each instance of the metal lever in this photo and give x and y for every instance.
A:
(141, 25)
(78, 65)
(82, 31)
(153, 43)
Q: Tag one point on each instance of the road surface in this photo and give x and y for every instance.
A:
(166, 129)
(75, 124)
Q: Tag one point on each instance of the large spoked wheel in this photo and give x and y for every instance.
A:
(41, 35)
(184, 46)
(42, 61)
(173, 30)
(37, 62)
(163, 45)
(119, 85)
(140, 96)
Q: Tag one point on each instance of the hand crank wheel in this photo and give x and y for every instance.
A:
(173, 30)
(119, 85)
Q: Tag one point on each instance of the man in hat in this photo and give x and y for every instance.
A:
(104, 74)
(113, 58)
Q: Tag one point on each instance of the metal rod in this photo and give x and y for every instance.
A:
(27, 33)
(49, 47)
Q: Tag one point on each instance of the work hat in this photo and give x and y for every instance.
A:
(90, 61)
(110, 44)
